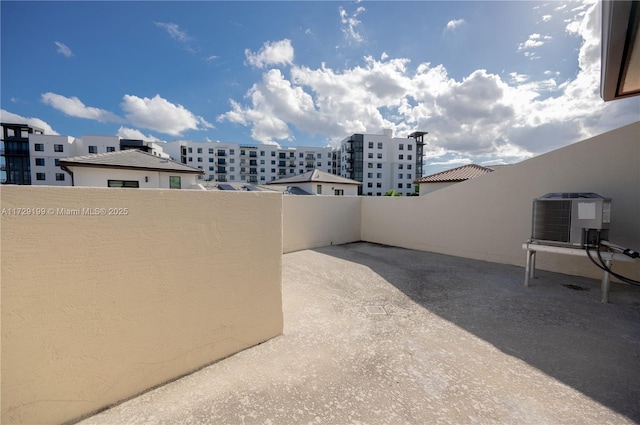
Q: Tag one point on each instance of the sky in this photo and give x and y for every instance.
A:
(492, 82)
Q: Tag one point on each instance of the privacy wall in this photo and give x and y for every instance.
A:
(489, 218)
(315, 221)
(109, 292)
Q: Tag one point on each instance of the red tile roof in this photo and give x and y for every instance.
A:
(466, 172)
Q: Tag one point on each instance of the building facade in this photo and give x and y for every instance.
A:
(15, 162)
(257, 164)
(31, 157)
(382, 162)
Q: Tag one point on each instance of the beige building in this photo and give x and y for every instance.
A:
(446, 178)
(320, 183)
(129, 169)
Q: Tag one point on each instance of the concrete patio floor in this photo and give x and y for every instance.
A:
(383, 335)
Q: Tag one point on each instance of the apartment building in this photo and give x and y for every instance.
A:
(31, 157)
(233, 162)
(15, 164)
(382, 162)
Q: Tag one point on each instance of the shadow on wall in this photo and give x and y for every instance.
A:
(567, 334)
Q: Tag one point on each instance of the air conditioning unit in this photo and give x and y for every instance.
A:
(571, 219)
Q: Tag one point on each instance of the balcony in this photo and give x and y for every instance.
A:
(310, 165)
(424, 338)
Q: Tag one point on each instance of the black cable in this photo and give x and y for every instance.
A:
(602, 265)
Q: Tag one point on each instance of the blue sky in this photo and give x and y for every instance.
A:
(492, 82)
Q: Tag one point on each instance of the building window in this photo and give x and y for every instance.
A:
(400, 176)
(369, 184)
(40, 162)
(401, 157)
(273, 153)
(123, 183)
(370, 145)
(400, 166)
(379, 156)
(40, 176)
(369, 194)
(369, 165)
(210, 159)
(378, 185)
(408, 185)
(93, 149)
(261, 153)
(409, 157)
(338, 192)
(174, 182)
(232, 151)
(370, 155)
(58, 148)
(319, 156)
(60, 177)
(401, 146)
(210, 151)
(379, 165)
(408, 166)
(111, 149)
(190, 159)
(199, 159)
(409, 147)
(211, 168)
(57, 162)
(319, 189)
(380, 145)
(199, 150)
(39, 147)
(409, 176)
(190, 150)
(379, 175)
(369, 175)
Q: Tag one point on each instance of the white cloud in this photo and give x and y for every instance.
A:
(271, 53)
(481, 115)
(10, 117)
(351, 23)
(63, 49)
(161, 115)
(131, 133)
(174, 31)
(534, 40)
(546, 18)
(73, 107)
(453, 24)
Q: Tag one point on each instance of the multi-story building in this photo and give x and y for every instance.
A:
(232, 162)
(31, 157)
(382, 162)
(15, 163)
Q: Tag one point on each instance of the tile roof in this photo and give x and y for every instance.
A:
(466, 172)
(315, 176)
(130, 159)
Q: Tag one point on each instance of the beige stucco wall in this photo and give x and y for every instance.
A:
(96, 309)
(315, 221)
(489, 218)
(99, 177)
(426, 188)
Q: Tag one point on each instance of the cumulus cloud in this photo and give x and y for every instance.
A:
(73, 107)
(271, 53)
(161, 115)
(350, 24)
(63, 49)
(453, 24)
(491, 117)
(132, 133)
(534, 40)
(10, 117)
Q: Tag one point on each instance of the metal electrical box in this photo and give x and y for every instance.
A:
(574, 219)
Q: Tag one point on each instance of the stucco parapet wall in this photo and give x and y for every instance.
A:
(109, 292)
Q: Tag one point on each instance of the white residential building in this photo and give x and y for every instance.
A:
(45, 152)
(382, 162)
(238, 163)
